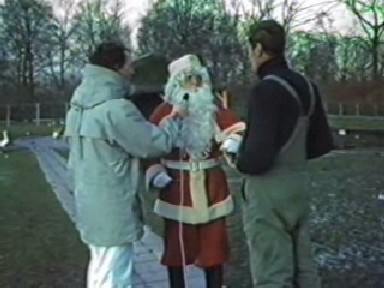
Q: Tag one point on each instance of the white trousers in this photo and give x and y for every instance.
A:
(110, 267)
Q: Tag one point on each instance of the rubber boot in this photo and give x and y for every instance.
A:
(214, 276)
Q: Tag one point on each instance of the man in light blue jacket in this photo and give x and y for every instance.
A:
(107, 135)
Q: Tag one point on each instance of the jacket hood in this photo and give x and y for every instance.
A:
(98, 86)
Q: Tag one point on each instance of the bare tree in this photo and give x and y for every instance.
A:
(252, 10)
(347, 49)
(295, 13)
(291, 13)
(99, 20)
(62, 29)
(370, 14)
(24, 36)
(176, 27)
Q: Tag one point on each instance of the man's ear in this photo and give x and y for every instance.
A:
(258, 50)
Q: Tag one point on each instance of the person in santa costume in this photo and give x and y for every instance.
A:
(194, 198)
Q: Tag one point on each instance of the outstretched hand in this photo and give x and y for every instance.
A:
(176, 113)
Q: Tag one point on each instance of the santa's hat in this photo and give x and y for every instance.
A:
(184, 64)
(179, 69)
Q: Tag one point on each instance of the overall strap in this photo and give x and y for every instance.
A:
(313, 97)
(295, 95)
(289, 88)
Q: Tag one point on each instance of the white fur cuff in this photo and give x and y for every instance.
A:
(235, 128)
(232, 131)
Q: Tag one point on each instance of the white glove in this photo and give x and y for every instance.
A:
(161, 180)
(231, 146)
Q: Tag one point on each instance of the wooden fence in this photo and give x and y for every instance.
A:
(40, 113)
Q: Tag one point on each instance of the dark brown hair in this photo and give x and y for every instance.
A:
(109, 55)
(270, 34)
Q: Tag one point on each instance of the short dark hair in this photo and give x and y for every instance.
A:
(109, 55)
(270, 34)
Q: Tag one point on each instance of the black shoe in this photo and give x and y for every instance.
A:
(176, 277)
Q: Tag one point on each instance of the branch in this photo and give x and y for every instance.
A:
(352, 5)
(292, 12)
(318, 3)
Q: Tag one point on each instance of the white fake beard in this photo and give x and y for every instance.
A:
(198, 130)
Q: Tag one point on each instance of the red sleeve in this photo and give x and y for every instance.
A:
(226, 118)
(157, 115)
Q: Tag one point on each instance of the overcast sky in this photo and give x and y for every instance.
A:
(343, 19)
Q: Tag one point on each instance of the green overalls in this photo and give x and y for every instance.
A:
(276, 212)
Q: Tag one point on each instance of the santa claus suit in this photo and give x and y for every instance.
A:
(196, 199)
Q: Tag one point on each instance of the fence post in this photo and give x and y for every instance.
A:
(66, 107)
(225, 99)
(8, 116)
(340, 109)
(357, 109)
(37, 114)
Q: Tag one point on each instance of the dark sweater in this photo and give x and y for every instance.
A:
(272, 116)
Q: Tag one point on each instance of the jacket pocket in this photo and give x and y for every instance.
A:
(243, 191)
(111, 143)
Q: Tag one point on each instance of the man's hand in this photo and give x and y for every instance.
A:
(230, 148)
(178, 112)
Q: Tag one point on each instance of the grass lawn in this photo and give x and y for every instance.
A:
(18, 130)
(39, 246)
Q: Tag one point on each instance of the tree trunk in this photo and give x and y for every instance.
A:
(62, 68)
(375, 55)
(29, 63)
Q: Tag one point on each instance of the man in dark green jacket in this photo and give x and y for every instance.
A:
(286, 126)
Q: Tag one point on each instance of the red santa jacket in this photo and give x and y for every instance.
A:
(199, 191)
